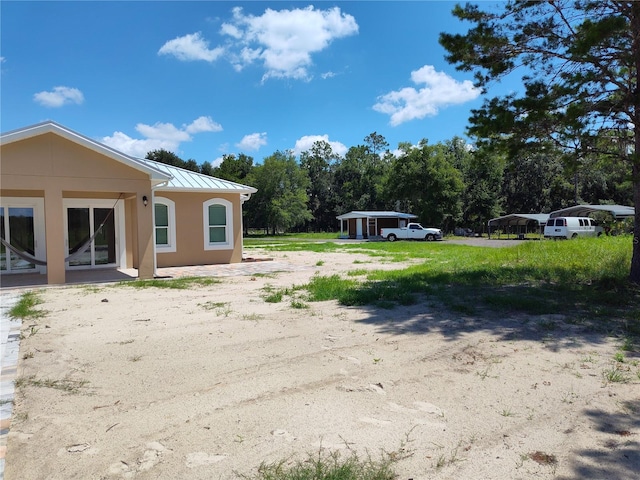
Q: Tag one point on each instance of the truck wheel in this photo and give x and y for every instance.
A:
(575, 235)
(430, 237)
(391, 238)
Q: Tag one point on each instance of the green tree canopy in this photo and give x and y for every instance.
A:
(528, 180)
(281, 200)
(235, 169)
(424, 181)
(482, 175)
(170, 158)
(318, 163)
(359, 177)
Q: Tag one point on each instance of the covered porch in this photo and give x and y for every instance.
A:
(68, 203)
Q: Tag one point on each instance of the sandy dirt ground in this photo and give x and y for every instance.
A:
(208, 383)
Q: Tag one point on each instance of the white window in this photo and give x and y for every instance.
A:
(218, 224)
(164, 218)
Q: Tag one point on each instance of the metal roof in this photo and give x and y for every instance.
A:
(519, 219)
(618, 211)
(187, 181)
(374, 214)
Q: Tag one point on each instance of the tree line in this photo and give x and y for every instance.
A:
(447, 184)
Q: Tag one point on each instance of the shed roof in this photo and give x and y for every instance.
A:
(519, 219)
(375, 214)
(618, 211)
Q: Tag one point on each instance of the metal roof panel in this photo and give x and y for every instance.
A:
(375, 214)
(618, 211)
(186, 180)
(519, 219)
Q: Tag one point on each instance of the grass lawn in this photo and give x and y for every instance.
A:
(586, 279)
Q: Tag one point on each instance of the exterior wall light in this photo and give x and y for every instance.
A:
(145, 200)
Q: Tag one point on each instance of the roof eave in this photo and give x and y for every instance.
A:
(168, 188)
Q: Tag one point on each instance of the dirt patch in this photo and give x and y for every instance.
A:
(209, 382)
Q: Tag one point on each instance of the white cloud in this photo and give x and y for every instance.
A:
(203, 124)
(159, 136)
(231, 30)
(166, 132)
(217, 162)
(137, 147)
(304, 144)
(252, 141)
(283, 40)
(191, 47)
(59, 97)
(440, 91)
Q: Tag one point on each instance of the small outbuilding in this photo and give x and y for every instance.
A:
(367, 224)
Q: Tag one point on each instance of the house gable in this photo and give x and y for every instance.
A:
(50, 149)
(52, 156)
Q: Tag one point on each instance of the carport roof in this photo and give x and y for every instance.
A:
(519, 219)
(618, 211)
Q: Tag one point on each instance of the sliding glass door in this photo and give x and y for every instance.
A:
(17, 227)
(78, 237)
(91, 236)
(22, 229)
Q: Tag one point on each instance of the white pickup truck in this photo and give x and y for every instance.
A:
(413, 231)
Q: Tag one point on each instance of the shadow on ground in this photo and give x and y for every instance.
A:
(621, 455)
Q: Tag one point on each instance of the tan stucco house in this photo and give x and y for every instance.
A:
(69, 202)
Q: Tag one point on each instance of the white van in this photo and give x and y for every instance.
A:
(572, 227)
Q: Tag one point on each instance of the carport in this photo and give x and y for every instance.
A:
(519, 224)
(617, 211)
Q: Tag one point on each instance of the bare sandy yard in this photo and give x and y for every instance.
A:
(207, 383)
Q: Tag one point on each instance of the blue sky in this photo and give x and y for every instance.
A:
(203, 78)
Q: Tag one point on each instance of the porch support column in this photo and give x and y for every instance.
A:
(54, 221)
(146, 253)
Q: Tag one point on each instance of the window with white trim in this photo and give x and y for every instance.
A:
(218, 224)
(164, 218)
